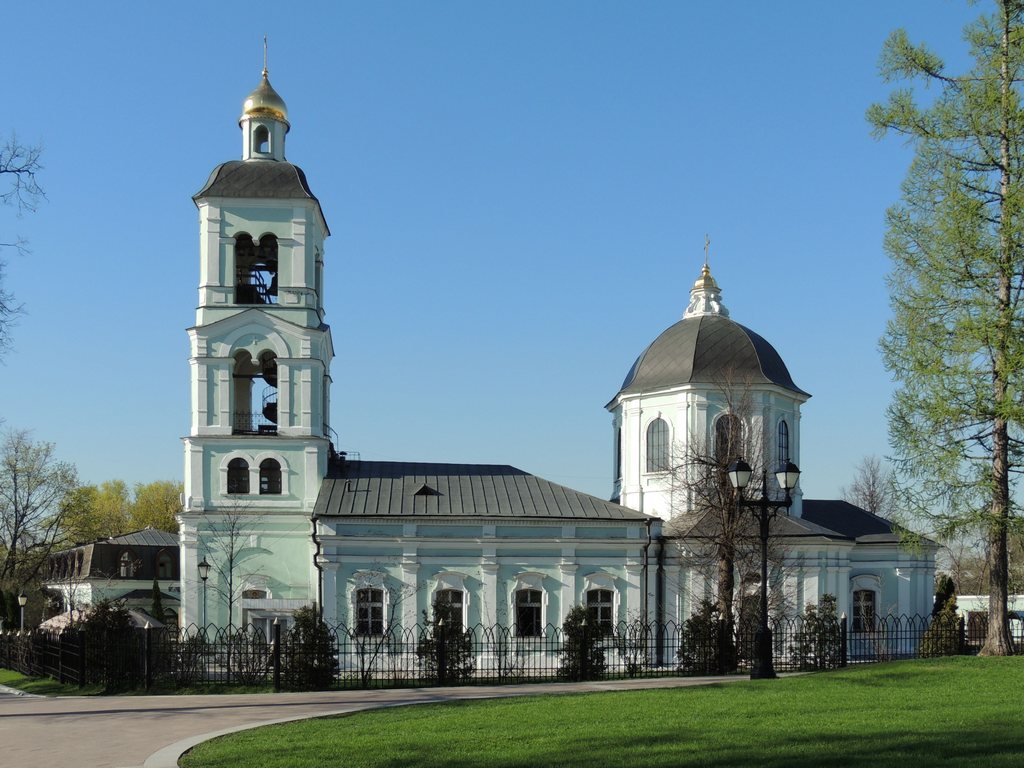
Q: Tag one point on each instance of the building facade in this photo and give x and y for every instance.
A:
(284, 521)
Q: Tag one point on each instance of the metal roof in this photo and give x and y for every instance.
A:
(265, 179)
(850, 520)
(707, 349)
(413, 489)
(147, 537)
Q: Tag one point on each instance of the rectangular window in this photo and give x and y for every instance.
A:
(448, 606)
(370, 611)
(599, 609)
(864, 610)
(528, 613)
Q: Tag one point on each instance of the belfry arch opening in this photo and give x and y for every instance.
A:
(255, 394)
(256, 270)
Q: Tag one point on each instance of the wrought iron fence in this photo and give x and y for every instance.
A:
(340, 657)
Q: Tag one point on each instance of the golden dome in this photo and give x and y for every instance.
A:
(705, 281)
(265, 102)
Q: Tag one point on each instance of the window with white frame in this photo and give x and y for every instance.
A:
(783, 443)
(369, 608)
(126, 565)
(529, 606)
(600, 609)
(657, 446)
(238, 476)
(448, 605)
(864, 610)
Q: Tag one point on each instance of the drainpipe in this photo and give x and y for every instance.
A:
(316, 564)
(643, 590)
(659, 600)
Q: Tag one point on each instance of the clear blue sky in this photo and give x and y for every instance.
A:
(518, 194)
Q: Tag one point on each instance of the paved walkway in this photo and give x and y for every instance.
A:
(153, 731)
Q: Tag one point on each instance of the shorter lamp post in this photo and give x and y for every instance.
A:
(22, 602)
(764, 510)
(204, 574)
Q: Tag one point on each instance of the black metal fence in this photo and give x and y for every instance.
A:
(338, 657)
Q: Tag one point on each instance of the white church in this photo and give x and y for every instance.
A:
(279, 520)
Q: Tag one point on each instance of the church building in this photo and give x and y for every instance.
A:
(274, 518)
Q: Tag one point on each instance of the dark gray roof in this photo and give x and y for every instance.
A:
(826, 518)
(411, 489)
(258, 178)
(707, 349)
(147, 537)
(850, 520)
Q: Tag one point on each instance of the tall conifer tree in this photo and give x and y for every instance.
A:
(955, 343)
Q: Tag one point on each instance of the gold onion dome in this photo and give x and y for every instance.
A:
(705, 281)
(265, 102)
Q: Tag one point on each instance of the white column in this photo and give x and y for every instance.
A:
(330, 577)
(489, 594)
(410, 592)
(567, 598)
(634, 604)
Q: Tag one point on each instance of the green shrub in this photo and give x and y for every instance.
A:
(446, 648)
(943, 636)
(818, 644)
(702, 642)
(582, 647)
(309, 660)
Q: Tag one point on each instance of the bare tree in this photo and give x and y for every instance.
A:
(872, 487)
(229, 542)
(720, 538)
(33, 483)
(19, 187)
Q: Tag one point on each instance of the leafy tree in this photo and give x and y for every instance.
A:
(446, 649)
(872, 488)
(97, 512)
(582, 647)
(19, 187)
(310, 661)
(819, 642)
(955, 343)
(945, 590)
(943, 636)
(702, 643)
(156, 505)
(156, 610)
(33, 486)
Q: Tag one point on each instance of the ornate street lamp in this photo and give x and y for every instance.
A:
(22, 602)
(204, 574)
(764, 510)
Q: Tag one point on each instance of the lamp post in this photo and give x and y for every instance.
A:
(204, 574)
(22, 602)
(764, 510)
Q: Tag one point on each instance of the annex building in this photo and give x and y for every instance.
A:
(283, 520)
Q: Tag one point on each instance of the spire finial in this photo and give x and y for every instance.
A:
(265, 70)
(707, 246)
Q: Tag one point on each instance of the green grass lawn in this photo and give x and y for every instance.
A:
(43, 686)
(944, 712)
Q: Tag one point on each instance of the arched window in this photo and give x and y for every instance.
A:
(126, 565)
(261, 139)
(238, 476)
(728, 435)
(270, 477)
(164, 566)
(369, 611)
(864, 610)
(657, 446)
(448, 606)
(783, 447)
(255, 270)
(600, 603)
(529, 604)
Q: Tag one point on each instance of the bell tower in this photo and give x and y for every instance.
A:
(260, 353)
